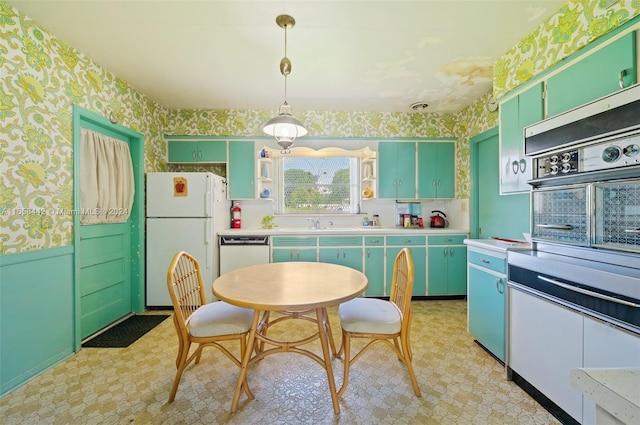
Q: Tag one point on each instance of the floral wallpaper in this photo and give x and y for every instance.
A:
(576, 24)
(41, 77)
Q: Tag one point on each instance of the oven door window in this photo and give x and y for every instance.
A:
(561, 215)
(617, 220)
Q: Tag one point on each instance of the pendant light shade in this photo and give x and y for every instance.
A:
(284, 127)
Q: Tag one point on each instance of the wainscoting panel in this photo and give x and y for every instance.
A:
(36, 313)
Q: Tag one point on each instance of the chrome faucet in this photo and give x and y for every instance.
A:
(315, 224)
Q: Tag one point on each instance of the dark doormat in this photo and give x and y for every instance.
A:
(126, 332)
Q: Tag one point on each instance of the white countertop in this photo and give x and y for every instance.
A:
(615, 390)
(361, 231)
(496, 245)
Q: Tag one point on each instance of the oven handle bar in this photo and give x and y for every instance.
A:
(587, 292)
(632, 230)
(555, 226)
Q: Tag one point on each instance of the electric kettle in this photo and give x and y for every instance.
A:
(438, 220)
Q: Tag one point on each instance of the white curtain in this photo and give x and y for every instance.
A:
(106, 179)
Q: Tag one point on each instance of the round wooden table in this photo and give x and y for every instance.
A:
(294, 288)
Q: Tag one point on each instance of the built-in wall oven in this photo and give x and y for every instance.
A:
(583, 271)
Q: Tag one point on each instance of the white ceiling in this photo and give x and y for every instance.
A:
(346, 55)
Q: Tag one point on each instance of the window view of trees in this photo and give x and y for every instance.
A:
(318, 185)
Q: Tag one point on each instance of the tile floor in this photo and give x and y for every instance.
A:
(460, 383)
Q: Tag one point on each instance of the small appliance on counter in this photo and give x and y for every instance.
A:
(438, 220)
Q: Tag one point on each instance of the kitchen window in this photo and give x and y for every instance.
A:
(317, 182)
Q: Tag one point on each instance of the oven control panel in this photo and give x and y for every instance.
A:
(623, 152)
(557, 164)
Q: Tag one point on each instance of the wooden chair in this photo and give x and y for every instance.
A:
(200, 323)
(381, 320)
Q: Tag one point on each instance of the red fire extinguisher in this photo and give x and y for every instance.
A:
(236, 213)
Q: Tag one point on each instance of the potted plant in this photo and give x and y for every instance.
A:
(267, 222)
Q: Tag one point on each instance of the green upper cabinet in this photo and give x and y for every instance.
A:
(181, 151)
(241, 171)
(436, 174)
(598, 74)
(397, 170)
(515, 114)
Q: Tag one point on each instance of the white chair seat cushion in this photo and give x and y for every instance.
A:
(370, 315)
(219, 318)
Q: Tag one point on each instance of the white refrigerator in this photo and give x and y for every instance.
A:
(185, 212)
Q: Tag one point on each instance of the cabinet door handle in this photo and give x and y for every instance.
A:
(433, 183)
(297, 254)
(399, 183)
(439, 183)
(621, 76)
(344, 254)
(499, 286)
(368, 253)
(394, 183)
(199, 154)
(194, 155)
(450, 252)
(515, 167)
(337, 254)
(484, 260)
(444, 252)
(523, 165)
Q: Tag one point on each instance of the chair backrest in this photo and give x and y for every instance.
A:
(186, 288)
(402, 284)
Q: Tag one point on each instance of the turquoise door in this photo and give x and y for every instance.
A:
(109, 273)
(105, 275)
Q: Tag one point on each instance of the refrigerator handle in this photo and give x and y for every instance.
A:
(207, 204)
(207, 242)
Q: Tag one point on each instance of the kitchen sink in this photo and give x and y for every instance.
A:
(321, 230)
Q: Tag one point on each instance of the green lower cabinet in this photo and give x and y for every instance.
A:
(280, 255)
(350, 257)
(374, 269)
(487, 310)
(419, 254)
(447, 270)
(294, 248)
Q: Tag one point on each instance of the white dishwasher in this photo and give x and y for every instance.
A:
(242, 251)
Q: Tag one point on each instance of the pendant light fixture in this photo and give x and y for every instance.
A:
(284, 126)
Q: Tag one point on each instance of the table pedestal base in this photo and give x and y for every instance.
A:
(258, 342)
